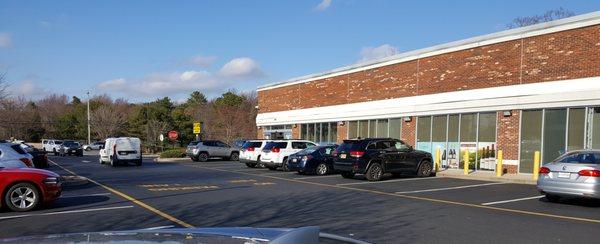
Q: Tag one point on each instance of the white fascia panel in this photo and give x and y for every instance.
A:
(566, 93)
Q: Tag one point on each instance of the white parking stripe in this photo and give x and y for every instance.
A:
(159, 227)
(451, 188)
(512, 200)
(65, 212)
(386, 181)
(316, 177)
(86, 161)
(87, 195)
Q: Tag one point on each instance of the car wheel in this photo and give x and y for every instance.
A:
(552, 198)
(374, 172)
(424, 169)
(234, 156)
(284, 165)
(203, 157)
(251, 165)
(259, 163)
(22, 197)
(348, 175)
(88, 149)
(322, 169)
(55, 152)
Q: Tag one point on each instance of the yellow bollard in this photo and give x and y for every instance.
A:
(536, 165)
(438, 160)
(466, 162)
(499, 170)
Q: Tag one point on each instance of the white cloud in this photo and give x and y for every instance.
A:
(241, 68)
(371, 53)
(5, 40)
(27, 88)
(323, 5)
(202, 61)
(177, 83)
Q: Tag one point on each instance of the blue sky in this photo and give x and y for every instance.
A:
(142, 50)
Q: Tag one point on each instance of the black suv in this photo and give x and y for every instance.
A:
(374, 157)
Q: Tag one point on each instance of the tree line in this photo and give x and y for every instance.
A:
(228, 117)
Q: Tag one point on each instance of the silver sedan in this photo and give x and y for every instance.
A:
(575, 173)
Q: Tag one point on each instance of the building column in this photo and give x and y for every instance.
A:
(507, 139)
(342, 132)
(259, 133)
(296, 131)
(408, 131)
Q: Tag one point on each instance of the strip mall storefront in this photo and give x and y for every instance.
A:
(530, 89)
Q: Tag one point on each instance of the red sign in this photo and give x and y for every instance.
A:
(173, 135)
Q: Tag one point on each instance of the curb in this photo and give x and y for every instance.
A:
(74, 180)
(171, 160)
(487, 178)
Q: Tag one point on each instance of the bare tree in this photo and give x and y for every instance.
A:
(549, 15)
(3, 87)
(107, 121)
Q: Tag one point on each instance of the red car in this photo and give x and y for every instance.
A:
(26, 188)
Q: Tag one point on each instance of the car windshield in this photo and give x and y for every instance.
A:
(58, 142)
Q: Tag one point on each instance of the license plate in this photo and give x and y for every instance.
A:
(564, 175)
(295, 160)
(342, 155)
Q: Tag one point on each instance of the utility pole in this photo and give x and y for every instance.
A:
(88, 119)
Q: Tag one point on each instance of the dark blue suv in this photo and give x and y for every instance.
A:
(314, 160)
(374, 157)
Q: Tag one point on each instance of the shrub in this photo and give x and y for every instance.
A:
(173, 153)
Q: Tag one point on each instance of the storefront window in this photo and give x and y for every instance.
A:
(595, 128)
(333, 132)
(303, 132)
(395, 128)
(424, 133)
(311, 132)
(468, 139)
(352, 129)
(531, 138)
(363, 128)
(382, 128)
(372, 128)
(453, 142)
(486, 144)
(576, 129)
(555, 125)
(324, 133)
(438, 136)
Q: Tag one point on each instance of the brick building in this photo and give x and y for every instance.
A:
(535, 88)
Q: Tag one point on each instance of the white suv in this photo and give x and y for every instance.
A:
(52, 145)
(275, 153)
(250, 152)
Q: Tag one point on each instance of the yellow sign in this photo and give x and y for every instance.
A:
(197, 128)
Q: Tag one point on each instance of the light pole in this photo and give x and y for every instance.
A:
(88, 118)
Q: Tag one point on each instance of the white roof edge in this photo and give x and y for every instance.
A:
(574, 22)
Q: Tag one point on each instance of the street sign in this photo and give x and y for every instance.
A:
(173, 135)
(197, 128)
(161, 137)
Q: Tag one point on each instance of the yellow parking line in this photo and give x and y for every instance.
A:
(416, 197)
(132, 199)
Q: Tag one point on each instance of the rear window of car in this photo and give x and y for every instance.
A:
(252, 144)
(580, 158)
(18, 149)
(271, 145)
(351, 145)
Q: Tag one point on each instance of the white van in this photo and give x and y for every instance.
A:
(121, 150)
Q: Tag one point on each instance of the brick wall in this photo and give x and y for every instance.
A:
(508, 135)
(408, 131)
(562, 55)
(259, 133)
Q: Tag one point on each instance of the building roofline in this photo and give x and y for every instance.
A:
(570, 23)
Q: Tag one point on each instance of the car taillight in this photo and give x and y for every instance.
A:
(544, 170)
(306, 158)
(275, 149)
(589, 172)
(334, 153)
(250, 149)
(357, 154)
(27, 162)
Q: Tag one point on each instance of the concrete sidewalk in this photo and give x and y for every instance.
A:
(487, 176)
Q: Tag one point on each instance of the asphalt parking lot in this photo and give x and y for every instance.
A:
(227, 194)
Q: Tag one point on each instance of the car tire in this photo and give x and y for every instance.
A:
(28, 197)
(284, 165)
(552, 198)
(375, 172)
(259, 163)
(322, 169)
(348, 175)
(88, 149)
(425, 169)
(234, 156)
(251, 165)
(271, 167)
(203, 157)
